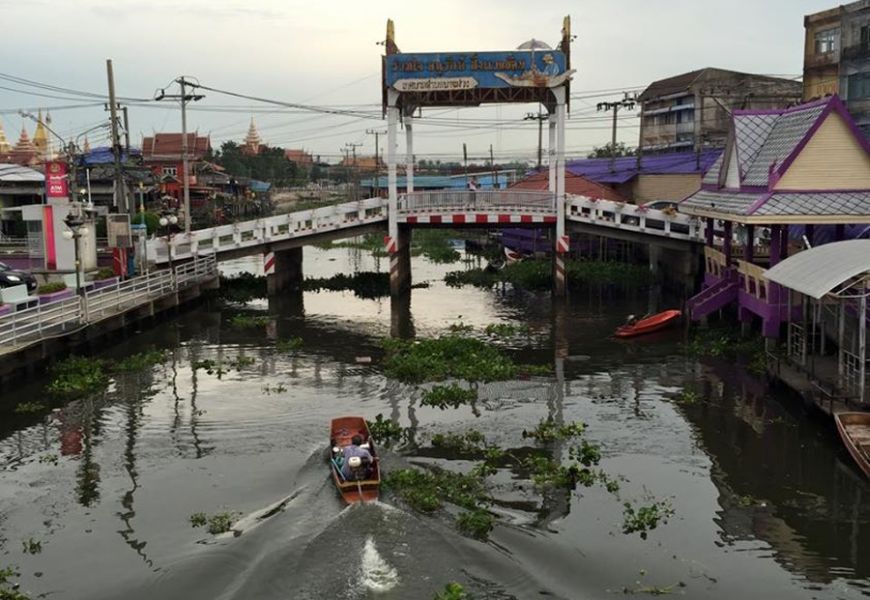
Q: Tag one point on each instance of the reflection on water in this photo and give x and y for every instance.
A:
(768, 504)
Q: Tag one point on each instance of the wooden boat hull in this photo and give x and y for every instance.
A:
(341, 431)
(854, 430)
(649, 325)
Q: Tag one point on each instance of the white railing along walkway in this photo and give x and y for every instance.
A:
(477, 201)
(57, 318)
(249, 234)
(634, 218)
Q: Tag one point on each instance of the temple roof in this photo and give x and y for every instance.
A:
(4, 143)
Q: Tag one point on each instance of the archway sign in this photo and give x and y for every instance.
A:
(532, 73)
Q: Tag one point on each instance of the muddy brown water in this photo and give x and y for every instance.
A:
(767, 503)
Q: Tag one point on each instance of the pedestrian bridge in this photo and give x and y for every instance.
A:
(489, 208)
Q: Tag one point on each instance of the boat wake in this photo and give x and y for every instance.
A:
(376, 573)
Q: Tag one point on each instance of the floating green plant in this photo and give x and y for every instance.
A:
(475, 523)
(644, 518)
(139, 362)
(427, 491)
(386, 431)
(216, 524)
(243, 287)
(367, 285)
(286, 346)
(452, 591)
(448, 396)
(29, 408)
(274, 389)
(241, 362)
(249, 321)
(446, 357)
(78, 376)
(471, 442)
(538, 274)
(31, 546)
(548, 430)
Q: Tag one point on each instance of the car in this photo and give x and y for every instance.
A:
(10, 277)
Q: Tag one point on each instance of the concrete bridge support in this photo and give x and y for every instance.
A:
(400, 263)
(288, 272)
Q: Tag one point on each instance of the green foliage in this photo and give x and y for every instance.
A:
(289, 345)
(31, 546)
(475, 523)
(446, 357)
(78, 376)
(444, 396)
(435, 245)
(151, 220)
(460, 327)
(104, 273)
(29, 408)
(270, 164)
(274, 389)
(216, 524)
(199, 519)
(51, 287)
(240, 362)
(727, 343)
(385, 431)
(642, 519)
(7, 588)
(548, 430)
(242, 288)
(688, 397)
(426, 491)
(506, 330)
(367, 285)
(538, 275)
(248, 321)
(471, 442)
(209, 366)
(140, 361)
(48, 459)
(452, 591)
(609, 150)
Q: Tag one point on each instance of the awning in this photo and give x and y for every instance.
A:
(821, 270)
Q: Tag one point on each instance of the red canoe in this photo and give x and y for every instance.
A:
(648, 324)
(341, 431)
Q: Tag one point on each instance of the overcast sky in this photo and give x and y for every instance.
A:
(326, 54)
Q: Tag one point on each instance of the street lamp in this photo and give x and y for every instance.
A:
(168, 219)
(76, 228)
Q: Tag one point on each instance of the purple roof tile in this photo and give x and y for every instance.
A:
(625, 168)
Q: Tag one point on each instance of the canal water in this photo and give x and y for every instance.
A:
(95, 498)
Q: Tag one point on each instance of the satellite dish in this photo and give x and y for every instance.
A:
(534, 44)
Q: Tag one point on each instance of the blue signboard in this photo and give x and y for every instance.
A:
(453, 71)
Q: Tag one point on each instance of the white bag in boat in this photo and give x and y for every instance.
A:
(354, 462)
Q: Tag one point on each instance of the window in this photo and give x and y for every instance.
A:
(827, 41)
(865, 36)
(858, 86)
(170, 171)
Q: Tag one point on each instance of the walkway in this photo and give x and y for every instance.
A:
(493, 208)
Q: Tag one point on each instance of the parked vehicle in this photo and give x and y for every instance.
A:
(11, 277)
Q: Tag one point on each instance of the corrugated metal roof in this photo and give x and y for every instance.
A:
(820, 270)
(16, 173)
(625, 168)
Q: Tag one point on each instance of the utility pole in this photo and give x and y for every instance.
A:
(628, 103)
(376, 133)
(492, 168)
(465, 160)
(120, 186)
(540, 118)
(126, 129)
(353, 147)
(184, 97)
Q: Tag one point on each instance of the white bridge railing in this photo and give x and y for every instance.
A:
(55, 319)
(478, 201)
(633, 218)
(249, 234)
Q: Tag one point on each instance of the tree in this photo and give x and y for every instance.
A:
(270, 164)
(609, 150)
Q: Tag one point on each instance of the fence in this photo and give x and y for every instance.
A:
(58, 318)
(481, 200)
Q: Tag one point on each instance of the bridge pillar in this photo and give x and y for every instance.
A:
(400, 263)
(288, 272)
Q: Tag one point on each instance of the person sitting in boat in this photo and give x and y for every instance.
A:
(357, 460)
(631, 320)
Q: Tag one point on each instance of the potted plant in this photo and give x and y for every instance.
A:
(104, 277)
(53, 291)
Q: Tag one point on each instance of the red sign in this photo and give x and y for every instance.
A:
(56, 185)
